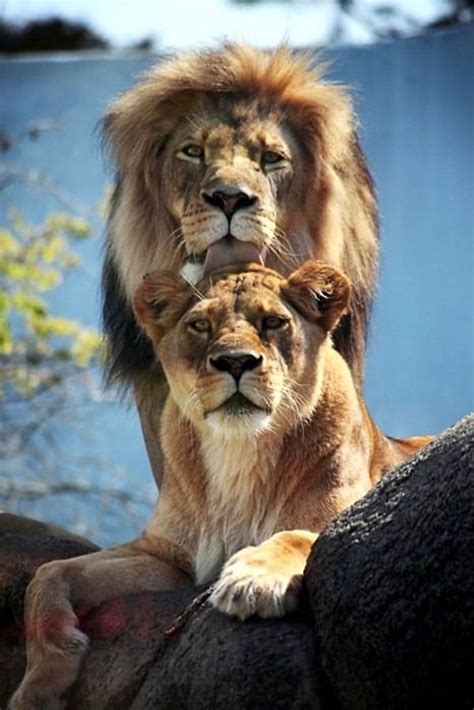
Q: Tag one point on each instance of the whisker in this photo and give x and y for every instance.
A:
(294, 402)
(195, 290)
(284, 246)
(190, 403)
(176, 244)
(289, 260)
(176, 234)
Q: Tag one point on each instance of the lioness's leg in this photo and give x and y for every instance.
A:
(55, 644)
(266, 579)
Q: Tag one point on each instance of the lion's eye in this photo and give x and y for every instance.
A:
(272, 159)
(200, 325)
(191, 152)
(274, 322)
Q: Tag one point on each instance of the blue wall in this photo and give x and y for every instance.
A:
(415, 100)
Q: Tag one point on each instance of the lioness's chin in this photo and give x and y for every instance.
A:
(228, 423)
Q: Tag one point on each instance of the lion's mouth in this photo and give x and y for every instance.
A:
(237, 405)
(227, 251)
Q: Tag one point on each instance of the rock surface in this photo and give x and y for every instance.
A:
(390, 620)
(210, 661)
(391, 583)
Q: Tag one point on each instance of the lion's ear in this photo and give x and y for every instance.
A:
(159, 302)
(319, 292)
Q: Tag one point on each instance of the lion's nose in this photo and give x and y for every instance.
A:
(236, 364)
(229, 200)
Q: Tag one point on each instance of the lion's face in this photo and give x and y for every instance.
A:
(231, 173)
(244, 356)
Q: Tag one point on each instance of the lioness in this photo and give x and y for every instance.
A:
(232, 155)
(265, 439)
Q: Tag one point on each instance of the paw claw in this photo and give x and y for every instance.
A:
(248, 585)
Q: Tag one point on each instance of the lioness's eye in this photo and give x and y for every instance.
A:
(201, 325)
(273, 322)
(192, 151)
(271, 158)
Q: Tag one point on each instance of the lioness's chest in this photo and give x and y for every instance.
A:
(238, 511)
(218, 543)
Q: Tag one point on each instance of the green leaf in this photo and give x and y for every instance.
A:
(86, 347)
(9, 246)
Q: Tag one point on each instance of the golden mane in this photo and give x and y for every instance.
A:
(322, 111)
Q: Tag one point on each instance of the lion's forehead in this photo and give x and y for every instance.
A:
(238, 296)
(250, 137)
(255, 286)
(226, 126)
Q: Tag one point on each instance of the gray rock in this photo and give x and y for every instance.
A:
(391, 583)
(206, 661)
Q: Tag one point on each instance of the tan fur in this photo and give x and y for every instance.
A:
(235, 103)
(254, 466)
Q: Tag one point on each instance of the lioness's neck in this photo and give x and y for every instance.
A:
(339, 408)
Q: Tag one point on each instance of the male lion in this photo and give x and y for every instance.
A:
(265, 438)
(224, 156)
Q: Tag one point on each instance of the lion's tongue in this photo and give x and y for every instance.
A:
(230, 251)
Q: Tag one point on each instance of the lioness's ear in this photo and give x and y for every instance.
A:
(159, 302)
(320, 292)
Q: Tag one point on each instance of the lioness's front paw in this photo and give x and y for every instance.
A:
(250, 584)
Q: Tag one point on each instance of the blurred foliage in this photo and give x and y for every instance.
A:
(36, 346)
(53, 459)
(49, 388)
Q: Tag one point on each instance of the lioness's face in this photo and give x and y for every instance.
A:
(245, 355)
(231, 181)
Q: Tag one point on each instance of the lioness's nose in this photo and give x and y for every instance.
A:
(229, 200)
(236, 364)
